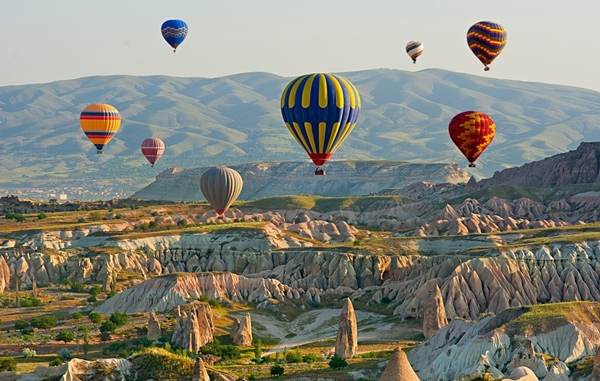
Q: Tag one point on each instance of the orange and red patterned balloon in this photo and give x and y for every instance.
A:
(472, 132)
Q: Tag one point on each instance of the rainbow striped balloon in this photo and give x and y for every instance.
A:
(320, 111)
(100, 122)
(486, 40)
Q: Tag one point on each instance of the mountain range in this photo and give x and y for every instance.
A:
(236, 119)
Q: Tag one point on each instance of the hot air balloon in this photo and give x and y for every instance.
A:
(174, 32)
(472, 132)
(320, 111)
(486, 40)
(221, 186)
(414, 49)
(100, 122)
(153, 149)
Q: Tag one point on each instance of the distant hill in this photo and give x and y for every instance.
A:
(236, 119)
(343, 178)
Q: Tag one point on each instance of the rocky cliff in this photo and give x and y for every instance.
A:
(296, 178)
(569, 332)
(574, 167)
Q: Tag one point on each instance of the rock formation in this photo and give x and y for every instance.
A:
(200, 373)
(166, 292)
(434, 312)
(399, 368)
(194, 327)
(154, 331)
(466, 348)
(4, 275)
(596, 370)
(522, 374)
(79, 370)
(346, 343)
(241, 333)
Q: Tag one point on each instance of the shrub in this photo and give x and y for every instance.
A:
(108, 326)
(126, 348)
(30, 302)
(42, 216)
(65, 336)
(119, 319)
(65, 354)
(95, 317)
(94, 290)
(293, 357)
(21, 324)
(225, 351)
(15, 216)
(104, 335)
(337, 363)
(76, 315)
(277, 370)
(310, 358)
(182, 223)
(44, 322)
(28, 353)
(57, 361)
(76, 287)
(8, 363)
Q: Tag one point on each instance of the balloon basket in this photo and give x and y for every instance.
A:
(319, 172)
(472, 165)
(487, 68)
(98, 152)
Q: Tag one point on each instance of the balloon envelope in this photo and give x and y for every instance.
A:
(486, 40)
(320, 111)
(100, 122)
(221, 186)
(472, 132)
(153, 149)
(174, 32)
(414, 49)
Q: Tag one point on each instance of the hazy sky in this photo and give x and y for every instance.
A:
(47, 40)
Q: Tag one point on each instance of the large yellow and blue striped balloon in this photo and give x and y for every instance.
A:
(100, 122)
(320, 111)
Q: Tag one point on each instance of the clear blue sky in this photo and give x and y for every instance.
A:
(46, 40)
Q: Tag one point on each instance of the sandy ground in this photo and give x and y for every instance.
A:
(318, 325)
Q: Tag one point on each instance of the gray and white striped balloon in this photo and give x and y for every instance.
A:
(414, 50)
(221, 186)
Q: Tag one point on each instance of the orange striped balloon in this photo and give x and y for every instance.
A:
(100, 122)
(472, 132)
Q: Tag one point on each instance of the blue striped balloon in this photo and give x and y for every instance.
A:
(174, 32)
(320, 111)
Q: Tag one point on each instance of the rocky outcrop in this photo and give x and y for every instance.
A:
(596, 369)
(166, 292)
(4, 275)
(574, 167)
(488, 346)
(522, 374)
(108, 369)
(434, 312)
(199, 372)
(343, 178)
(154, 331)
(194, 327)
(346, 342)
(241, 333)
(399, 368)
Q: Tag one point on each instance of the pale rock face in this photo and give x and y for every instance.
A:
(522, 374)
(346, 343)
(166, 292)
(4, 275)
(465, 348)
(116, 369)
(434, 312)
(194, 327)
(200, 373)
(398, 368)
(242, 331)
(154, 331)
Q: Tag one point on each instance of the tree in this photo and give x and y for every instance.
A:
(95, 317)
(337, 363)
(8, 363)
(85, 335)
(119, 319)
(277, 370)
(258, 351)
(42, 216)
(65, 336)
